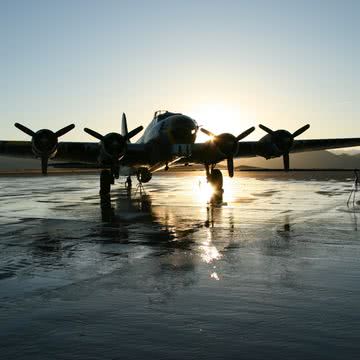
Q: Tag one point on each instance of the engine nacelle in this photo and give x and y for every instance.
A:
(143, 175)
(44, 143)
(274, 145)
(113, 147)
(226, 143)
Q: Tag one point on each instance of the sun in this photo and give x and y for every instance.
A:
(219, 118)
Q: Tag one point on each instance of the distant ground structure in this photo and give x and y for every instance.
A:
(308, 160)
(10, 163)
(346, 151)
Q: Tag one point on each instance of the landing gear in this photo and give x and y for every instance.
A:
(215, 178)
(106, 180)
(128, 183)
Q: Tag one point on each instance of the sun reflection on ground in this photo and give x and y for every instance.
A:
(209, 252)
(229, 193)
(203, 191)
(215, 276)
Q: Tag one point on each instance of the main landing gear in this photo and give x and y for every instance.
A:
(215, 178)
(106, 180)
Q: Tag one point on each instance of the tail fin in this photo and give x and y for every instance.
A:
(124, 128)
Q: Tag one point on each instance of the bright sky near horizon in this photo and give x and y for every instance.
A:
(228, 64)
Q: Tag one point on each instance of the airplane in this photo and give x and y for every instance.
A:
(169, 140)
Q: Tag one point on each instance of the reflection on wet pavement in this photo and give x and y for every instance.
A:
(274, 272)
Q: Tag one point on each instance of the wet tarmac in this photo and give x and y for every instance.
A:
(273, 273)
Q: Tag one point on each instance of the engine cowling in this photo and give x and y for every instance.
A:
(278, 143)
(227, 144)
(44, 143)
(113, 146)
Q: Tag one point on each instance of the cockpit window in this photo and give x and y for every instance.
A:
(166, 114)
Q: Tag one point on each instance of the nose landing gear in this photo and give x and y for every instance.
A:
(143, 175)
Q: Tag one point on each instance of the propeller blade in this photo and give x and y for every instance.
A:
(245, 133)
(230, 166)
(266, 129)
(134, 132)
(124, 128)
(64, 130)
(286, 160)
(24, 129)
(207, 132)
(44, 165)
(94, 134)
(300, 131)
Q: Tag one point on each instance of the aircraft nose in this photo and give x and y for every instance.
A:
(183, 130)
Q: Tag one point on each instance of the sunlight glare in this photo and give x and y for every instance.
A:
(202, 190)
(219, 118)
(209, 252)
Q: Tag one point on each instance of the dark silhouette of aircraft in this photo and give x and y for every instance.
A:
(168, 140)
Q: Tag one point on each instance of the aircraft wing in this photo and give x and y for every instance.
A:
(67, 151)
(85, 152)
(248, 149)
(323, 144)
(16, 149)
(208, 153)
(139, 154)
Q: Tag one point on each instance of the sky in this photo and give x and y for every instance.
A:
(228, 64)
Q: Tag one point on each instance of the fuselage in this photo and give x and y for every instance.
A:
(170, 128)
(164, 130)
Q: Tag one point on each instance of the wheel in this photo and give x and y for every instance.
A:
(216, 179)
(106, 179)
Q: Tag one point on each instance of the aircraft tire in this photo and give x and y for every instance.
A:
(216, 179)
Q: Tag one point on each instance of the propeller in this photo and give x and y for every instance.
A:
(44, 142)
(113, 143)
(284, 140)
(227, 144)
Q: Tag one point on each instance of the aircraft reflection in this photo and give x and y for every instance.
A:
(354, 218)
(205, 193)
(159, 231)
(171, 229)
(286, 227)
